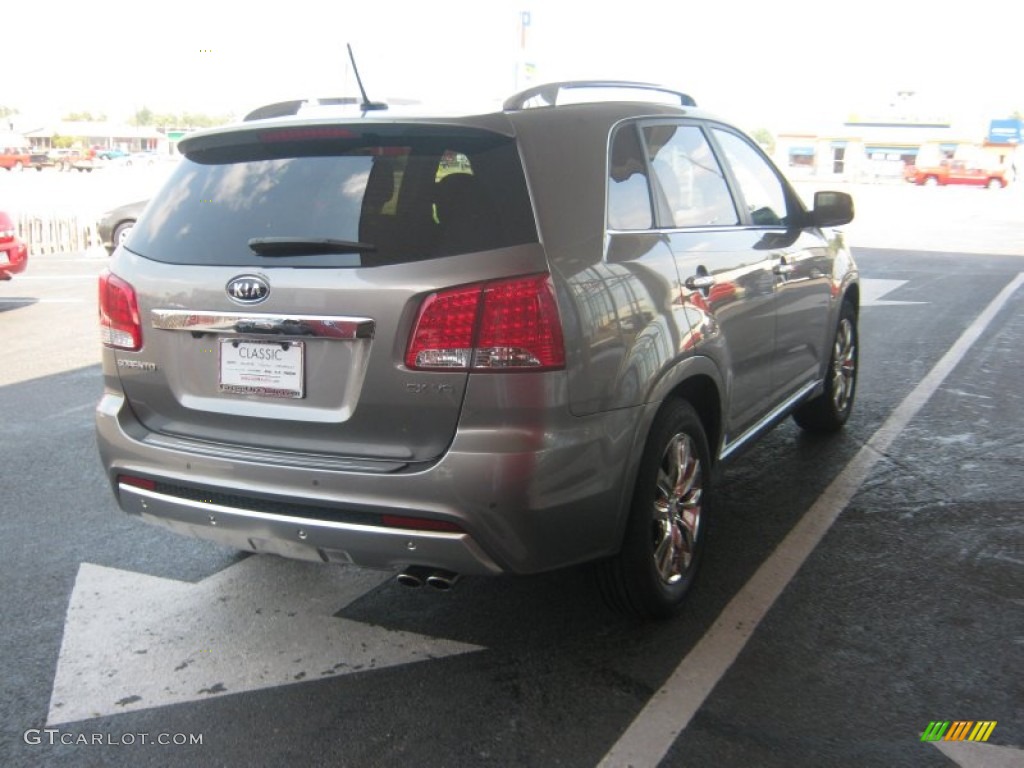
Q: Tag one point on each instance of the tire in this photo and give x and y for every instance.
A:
(829, 411)
(930, 181)
(121, 232)
(19, 166)
(994, 184)
(665, 534)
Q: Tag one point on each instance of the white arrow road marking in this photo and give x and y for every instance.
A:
(873, 289)
(42, 301)
(969, 754)
(133, 641)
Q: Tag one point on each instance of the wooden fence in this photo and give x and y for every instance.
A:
(56, 233)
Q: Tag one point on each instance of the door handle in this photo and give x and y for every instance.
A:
(699, 282)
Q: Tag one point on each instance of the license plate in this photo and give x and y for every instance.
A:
(4, 258)
(262, 368)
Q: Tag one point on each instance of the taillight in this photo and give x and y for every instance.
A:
(120, 326)
(505, 325)
(443, 336)
(7, 231)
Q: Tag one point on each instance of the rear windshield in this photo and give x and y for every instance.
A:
(271, 198)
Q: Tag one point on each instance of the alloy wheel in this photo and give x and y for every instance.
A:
(844, 365)
(677, 509)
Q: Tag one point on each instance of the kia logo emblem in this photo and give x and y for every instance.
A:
(248, 289)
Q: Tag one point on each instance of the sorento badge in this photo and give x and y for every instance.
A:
(248, 289)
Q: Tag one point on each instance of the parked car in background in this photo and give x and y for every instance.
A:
(115, 224)
(956, 172)
(13, 251)
(81, 160)
(40, 159)
(15, 158)
(147, 157)
(446, 345)
(111, 154)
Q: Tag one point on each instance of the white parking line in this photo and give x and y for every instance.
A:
(90, 406)
(647, 740)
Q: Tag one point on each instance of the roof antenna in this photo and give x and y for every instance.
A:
(367, 105)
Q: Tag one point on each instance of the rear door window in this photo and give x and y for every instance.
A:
(694, 190)
(394, 194)
(629, 190)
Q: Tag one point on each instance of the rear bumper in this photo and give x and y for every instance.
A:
(303, 538)
(527, 499)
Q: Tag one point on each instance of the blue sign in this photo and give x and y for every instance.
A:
(1008, 131)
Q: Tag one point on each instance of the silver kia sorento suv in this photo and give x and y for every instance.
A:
(493, 343)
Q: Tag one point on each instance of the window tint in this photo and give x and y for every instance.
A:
(695, 192)
(413, 195)
(762, 190)
(629, 195)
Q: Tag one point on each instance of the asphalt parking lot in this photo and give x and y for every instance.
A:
(858, 588)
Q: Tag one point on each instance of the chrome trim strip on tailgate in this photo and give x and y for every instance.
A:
(249, 323)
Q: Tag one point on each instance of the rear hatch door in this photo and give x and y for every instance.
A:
(279, 274)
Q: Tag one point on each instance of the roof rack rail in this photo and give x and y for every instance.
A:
(546, 95)
(294, 106)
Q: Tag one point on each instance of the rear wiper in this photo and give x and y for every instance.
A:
(306, 246)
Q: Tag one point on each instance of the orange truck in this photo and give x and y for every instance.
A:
(955, 172)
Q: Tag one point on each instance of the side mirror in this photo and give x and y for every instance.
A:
(831, 209)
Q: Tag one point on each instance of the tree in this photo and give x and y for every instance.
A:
(166, 120)
(84, 117)
(7, 111)
(142, 116)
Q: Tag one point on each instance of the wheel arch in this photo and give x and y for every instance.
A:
(623, 577)
(703, 394)
(852, 296)
(696, 380)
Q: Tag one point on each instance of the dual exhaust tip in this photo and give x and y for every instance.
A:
(418, 575)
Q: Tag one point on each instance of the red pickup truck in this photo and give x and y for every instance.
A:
(20, 158)
(955, 172)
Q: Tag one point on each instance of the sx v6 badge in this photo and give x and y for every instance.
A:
(417, 388)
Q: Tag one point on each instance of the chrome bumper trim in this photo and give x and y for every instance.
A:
(306, 539)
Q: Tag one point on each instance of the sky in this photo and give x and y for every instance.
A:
(777, 65)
